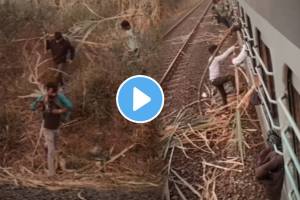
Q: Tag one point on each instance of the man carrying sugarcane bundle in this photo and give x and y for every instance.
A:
(55, 108)
(62, 52)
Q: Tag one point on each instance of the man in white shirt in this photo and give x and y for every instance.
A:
(215, 76)
(132, 44)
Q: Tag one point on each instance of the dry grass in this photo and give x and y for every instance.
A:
(10, 130)
(219, 134)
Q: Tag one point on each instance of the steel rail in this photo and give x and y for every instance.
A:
(172, 64)
(182, 20)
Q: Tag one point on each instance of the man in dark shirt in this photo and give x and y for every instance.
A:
(54, 107)
(62, 52)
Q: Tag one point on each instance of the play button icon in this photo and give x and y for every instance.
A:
(140, 99)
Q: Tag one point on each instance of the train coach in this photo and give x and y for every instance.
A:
(271, 30)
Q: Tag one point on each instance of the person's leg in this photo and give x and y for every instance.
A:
(225, 22)
(56, 136)
(59, 74)
(50, 141)
(222, 20)
(231, 79)
(45, 141)
(228, 78)
(218, 18)
(223, 93)
(218, 83)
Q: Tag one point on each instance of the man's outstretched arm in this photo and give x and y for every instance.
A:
(224, 55)
(241, 57)
(35, 105)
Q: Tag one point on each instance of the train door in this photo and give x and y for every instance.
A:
(294, 106)
(265, 55)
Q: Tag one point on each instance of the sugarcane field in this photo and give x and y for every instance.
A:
(149, 100)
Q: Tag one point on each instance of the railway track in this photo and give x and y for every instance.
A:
(181, 67)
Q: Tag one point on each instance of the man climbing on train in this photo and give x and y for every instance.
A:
(218, 79)
(55, 108)
(62, 52)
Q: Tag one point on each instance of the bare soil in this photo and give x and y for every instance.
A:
(9, 192)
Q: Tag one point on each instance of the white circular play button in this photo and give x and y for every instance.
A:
(140, 99)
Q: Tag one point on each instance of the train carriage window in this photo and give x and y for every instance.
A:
(294, 106)
(265, 55)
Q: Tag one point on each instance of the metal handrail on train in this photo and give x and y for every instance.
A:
(242, 22)
(268, 113)
(256, 56)
(269, 73)
(290, 150)
(244, 34)
(266, 119)
(268, 116)
(273, 125)
(252, 72)
(293, 158)
(270, 99)
(250, 52)
(289, 117)
(247, 34)
(248, 38)
(245, 31)
(292, 182)
(251, 68)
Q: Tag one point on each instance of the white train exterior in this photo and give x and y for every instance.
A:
(272, 31)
